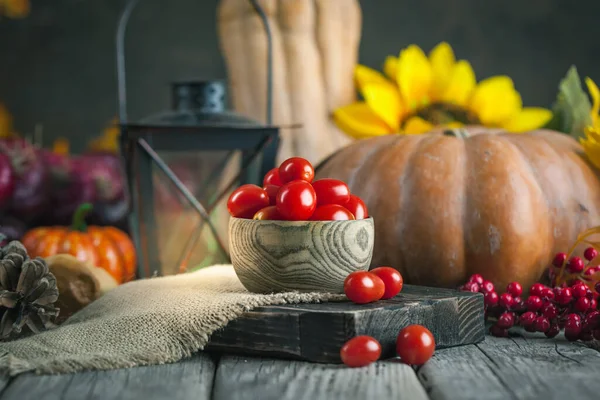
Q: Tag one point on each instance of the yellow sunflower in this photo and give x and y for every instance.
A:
(591, 142)
(416, 93)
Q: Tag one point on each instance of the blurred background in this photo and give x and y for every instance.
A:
(57, 65)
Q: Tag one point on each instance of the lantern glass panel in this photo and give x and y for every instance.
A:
(183, 237)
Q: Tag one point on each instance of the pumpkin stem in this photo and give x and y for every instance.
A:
(457, 132)
(78, 223)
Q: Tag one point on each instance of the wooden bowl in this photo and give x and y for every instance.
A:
(305, 256)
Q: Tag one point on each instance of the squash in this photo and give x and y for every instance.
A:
(78, 283)
(106, 247)
(448, 204)
(315, 49)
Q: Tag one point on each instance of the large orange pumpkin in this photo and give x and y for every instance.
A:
(448, 204)
(105, 247)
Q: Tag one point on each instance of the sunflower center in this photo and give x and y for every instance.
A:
(445, 113)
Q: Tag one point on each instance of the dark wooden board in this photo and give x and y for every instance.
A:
(316, 332)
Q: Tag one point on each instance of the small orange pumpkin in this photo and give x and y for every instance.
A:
(102, 246)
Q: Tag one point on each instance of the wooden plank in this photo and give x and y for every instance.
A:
(316, 332)
(240, 378)
(188, 379)
(524, 366)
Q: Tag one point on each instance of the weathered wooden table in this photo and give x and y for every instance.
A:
(526, 366)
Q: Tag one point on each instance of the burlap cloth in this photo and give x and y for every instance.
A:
(145, 322)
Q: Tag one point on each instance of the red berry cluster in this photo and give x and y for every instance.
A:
(573, 308)
(567, 270)
(289, 193)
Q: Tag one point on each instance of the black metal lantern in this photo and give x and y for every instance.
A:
(176, 165)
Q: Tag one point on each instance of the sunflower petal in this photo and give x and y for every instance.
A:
(384, 100)
(528, 119)
(461, 84)
(592, 135)
(414, 76)
(495, 100)
(359, 121)
(364, 75)
(592, 151)
(442, 64)
(389, 67)
(595, 94)
(416, 125)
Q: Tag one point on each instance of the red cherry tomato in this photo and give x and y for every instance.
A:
(272, 193)
(296, 168)
(272, 178)
(268, 213)
(363, 287)
(331, 212)
(246, 200)
(357, 207)
(415, 345)
(392, 280)
(360, 351)
(331, 191)
(296, 201)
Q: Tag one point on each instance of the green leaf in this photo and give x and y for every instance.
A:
(572, 107)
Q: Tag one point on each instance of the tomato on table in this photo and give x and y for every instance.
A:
(296, 201)
(331, 191)
(363, 287)
(415, 345)
(296, 168)
(331, 212)
(360, 351)
(246, 200)
(392, 280)
(357, 207)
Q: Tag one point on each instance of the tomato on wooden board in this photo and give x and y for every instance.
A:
(415, 345)
(296, 168)
(246, 200)
(391, 279)
(363, 287)
(272, 193)
(268, 213)
(357, 207)
(296, 201)
(331, 191)
(331, 212)
(272, 178)
(360, 351)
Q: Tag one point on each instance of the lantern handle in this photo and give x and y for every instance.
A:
(120, 49)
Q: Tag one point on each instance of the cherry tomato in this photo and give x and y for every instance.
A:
(268, 213)
(360, 351)
(272, 193)
(415, 345)
(246, 200)
(357, 207)
(296, 168)
(272, 178)
(331, 191)
(391, 278)
(331, 212)
(296, 201)
(363, 287)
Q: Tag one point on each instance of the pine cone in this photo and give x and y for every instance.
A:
(27, 292)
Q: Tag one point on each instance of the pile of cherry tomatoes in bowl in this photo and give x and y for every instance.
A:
(289, 193)
(415, 344)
